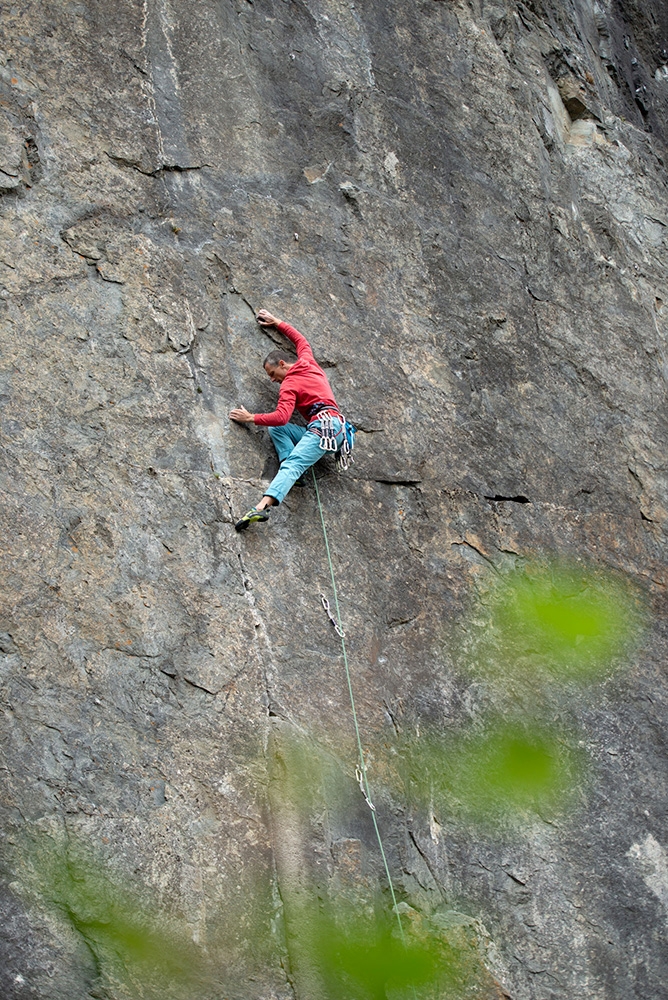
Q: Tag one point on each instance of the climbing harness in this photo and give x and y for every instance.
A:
(328, 433)
(361, 769)
(337, 628)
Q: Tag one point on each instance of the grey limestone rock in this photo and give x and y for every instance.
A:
(463, 204)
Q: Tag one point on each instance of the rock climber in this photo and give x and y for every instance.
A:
(303, 386)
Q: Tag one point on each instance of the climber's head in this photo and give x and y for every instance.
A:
(277, 364)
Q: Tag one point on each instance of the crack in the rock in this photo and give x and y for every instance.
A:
(391, 716)
(398, 622)
(176, 168)
(468, 545)
(398, 482)
(88, 941)
(425, 858)
(260, 630)
(166, 168)
(200, 687)
(500, 499)
(261, 633)
(129, 652)
(284, 832)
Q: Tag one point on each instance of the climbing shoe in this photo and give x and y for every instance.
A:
(250, 516)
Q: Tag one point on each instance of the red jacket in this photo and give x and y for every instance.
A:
(304, 385)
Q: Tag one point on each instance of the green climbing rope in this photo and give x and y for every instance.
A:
(362, 766)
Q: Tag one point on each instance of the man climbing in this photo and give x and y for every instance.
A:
(303, 386)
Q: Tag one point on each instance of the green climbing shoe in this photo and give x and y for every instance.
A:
(251, 515)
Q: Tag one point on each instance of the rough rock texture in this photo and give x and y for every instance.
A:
(463, 205)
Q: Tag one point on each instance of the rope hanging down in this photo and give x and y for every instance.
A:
(360, 770)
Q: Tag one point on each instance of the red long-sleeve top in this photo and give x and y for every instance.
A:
(303, 386)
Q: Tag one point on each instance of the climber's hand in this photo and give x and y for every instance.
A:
(265, 318)
(241, 415)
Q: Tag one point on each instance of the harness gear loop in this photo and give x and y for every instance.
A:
(328, 433)
(337, 628)
(360, 782)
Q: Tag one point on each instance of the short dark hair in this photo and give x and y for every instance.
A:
(274, 357)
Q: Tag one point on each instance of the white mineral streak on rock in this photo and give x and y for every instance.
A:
(652, 859)
(368, 65)
(159, 43)
(147, 80)
(168, 26)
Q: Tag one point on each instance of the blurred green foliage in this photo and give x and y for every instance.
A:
(574, 621)
(507, 771)
(367, 959)
(135, 946)
(550, 620)
(140, 951)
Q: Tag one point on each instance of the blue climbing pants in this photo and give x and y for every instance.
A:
(298, 448)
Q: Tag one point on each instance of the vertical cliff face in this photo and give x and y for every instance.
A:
(463, 206)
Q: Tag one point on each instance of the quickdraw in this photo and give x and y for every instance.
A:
(333, 425)
(360, 782)
(329, 431)
(337, 628)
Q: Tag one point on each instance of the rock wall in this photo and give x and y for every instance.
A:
(463, 206)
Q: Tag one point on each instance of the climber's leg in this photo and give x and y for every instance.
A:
(285, 437)
(305, 453)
